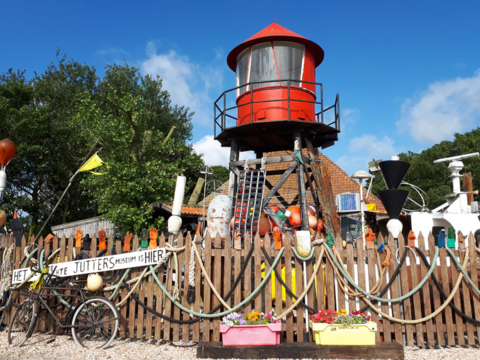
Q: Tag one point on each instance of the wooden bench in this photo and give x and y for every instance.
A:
(310, 350)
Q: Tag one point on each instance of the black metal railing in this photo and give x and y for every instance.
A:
(220, 109)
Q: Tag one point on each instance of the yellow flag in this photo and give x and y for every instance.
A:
(92, 163)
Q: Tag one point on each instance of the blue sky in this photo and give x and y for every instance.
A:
(408, 72)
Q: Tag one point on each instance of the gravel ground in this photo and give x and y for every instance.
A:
(65, 348)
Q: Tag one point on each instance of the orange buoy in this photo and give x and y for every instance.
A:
(294, 209)
(264, 226)
(320, 226)
(295, 219)
(275, 208)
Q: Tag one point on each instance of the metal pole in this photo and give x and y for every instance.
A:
(204, 199)
(69, 184)
(361, 210)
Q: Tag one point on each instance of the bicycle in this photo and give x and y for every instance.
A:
(93, 321)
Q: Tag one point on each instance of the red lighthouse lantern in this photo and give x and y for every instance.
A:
(276, 94)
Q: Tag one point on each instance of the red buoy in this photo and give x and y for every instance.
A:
(7, 150)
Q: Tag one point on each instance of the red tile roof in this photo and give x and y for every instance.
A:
(186, 209)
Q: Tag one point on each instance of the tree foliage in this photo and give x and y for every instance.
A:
(37, 115)
(133, 116)
(55, 117)
(435, 179)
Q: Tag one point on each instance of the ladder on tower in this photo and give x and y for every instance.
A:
(248, 204)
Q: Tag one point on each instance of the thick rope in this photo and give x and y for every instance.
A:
(375, 287)
(249, 298)
(191, 272)
(191, 277)
(462, 269)
(26, 253)
(432, 315)
(403, 321)
(392, 279)
(174, 250)
(133, 288)
(442, 293)
(208, 278)
(7, 271)
(347, 276)
(310, 282)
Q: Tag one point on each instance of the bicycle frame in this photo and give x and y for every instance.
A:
(40, 296)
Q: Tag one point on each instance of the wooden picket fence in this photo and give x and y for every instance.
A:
(222, 263)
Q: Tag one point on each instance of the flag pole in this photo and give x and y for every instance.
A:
(68, 186)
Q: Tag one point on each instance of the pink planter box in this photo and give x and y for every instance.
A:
(251, 335)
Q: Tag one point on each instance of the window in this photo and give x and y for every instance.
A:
(262, 65)
(270, 61)
(289, 61)
(242, 71)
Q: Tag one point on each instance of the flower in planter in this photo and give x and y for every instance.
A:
(323, 316)
(233, 319)
(254, 318)
(354, 318)
(342, 318)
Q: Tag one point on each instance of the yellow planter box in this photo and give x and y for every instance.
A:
(361, 334)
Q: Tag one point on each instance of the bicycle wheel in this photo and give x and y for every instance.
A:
(23, 322)
(95, 323)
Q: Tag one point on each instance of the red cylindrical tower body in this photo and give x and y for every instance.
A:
(276, 95)
(277, 68)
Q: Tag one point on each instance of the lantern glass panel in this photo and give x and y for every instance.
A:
(262, 66)
(290, 61)
(242, 70)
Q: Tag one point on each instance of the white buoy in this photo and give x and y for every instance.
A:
(175, 221)
(219, 216)
(3, 183)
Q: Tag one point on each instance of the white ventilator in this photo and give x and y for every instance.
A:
(175, 221)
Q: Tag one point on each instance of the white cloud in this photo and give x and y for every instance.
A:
(363, 149)
(445, 108)
(214, 154)
(188, 83)
(371, 146)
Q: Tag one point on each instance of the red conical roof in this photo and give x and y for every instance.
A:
(275, 32)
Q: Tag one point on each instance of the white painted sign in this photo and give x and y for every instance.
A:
(95, 265)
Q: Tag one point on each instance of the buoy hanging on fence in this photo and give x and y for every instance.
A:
(175, 221)
(303, 244)
(7, 150)
(94, 282)
(219, 215)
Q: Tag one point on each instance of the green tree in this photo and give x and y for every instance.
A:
(133, 115)
(37, 115)
(435, 179)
